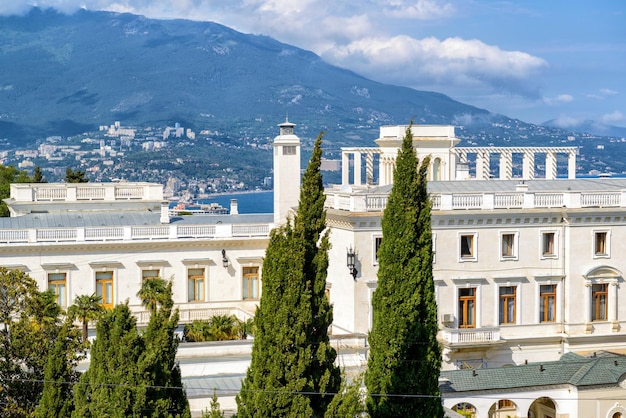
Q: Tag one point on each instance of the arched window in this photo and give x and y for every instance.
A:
(437, 169)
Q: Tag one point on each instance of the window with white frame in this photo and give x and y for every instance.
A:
(104, 288)
(507, 305)
(548, 244)
(467, 246)
(147, 274)
(250, 283)
(376, 241)
(434, 239)
(547, 302)
(467, 307)
(601, 244)
(508, 245)
(57, 283)
(195, 284)
(599, 301)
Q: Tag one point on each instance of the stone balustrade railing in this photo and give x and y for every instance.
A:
(470, 335)
(133, 233)
(364, 202)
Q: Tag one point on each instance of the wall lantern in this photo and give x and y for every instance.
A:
(224, 259)
(351, 262)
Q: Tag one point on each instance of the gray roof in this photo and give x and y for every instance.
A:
(204, 386)
(571, 369)
(122, 218)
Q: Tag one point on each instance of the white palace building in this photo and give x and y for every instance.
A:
(528, 258)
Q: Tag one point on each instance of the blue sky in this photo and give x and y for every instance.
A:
(534, 60)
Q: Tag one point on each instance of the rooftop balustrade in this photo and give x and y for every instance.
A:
(362, 201)
(134, 233)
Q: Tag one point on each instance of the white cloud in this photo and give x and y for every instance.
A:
(418, 9)
(430, 61)
(613, 117)
(608, 92)
(567, 122)
(559, 99)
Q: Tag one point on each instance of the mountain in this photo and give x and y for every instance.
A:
(588, 126)
(66, 74)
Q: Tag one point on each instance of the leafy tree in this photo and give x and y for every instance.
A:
(349, 402)
(60, 375)
(292, 372)
(30, 326)
(153, 293)
(75, 176)
(86, 308)
(405, 357)
(38, 176)
(8, 175)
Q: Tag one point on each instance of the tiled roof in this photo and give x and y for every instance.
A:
(571, 369)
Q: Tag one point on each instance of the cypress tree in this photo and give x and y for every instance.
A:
(165, 396)
(405, 357)
(113, 386)
(60, 375)
(292, 373)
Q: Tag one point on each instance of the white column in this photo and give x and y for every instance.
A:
(357, 168)
(528, 166)
(571, 165)
(550, 165)
(506, 165)
(345, 168)
(482, 165)
(369, 168)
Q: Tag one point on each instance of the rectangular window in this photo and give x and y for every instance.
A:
(599, 306)
(547, 303)
(467, 307)
(467, 247)
(377, 242)
(149, 274)
(507, 304)
(57, 282)
(104, 288)
(508, 245)
(289, 150)
(547, 244)
(250, 283)
(195, 285)
(601, 244)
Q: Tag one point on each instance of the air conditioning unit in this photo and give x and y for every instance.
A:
(447, 318)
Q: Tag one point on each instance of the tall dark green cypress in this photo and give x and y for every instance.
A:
(292, 373)
(405, 357)
(113, 385)
(60, 375)
(165, 397)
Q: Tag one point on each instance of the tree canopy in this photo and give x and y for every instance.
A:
(292, 372)
(405, 357)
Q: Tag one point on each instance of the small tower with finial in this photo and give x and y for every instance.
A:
(286, 171)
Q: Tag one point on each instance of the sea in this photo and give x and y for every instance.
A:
(248, 202)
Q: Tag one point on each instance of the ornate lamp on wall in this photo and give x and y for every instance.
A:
(351, 262)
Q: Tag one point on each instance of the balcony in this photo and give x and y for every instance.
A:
(470, 337)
